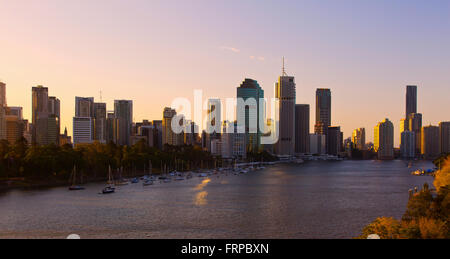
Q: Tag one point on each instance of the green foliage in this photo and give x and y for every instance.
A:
(93, 160)
(427, 217)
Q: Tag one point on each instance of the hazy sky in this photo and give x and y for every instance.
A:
(153, 51)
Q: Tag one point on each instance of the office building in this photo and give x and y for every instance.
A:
(334, 141)
(123, 111)
(302, 115)
(317, 144)
(82, 130)
(444, 137)
(408, 144)
(430, 142)
(384, 140)
(415, 124)
(411, 100)
(251, 114)
(168, 135)
(323, 111)
(100, 122)
(359, 138)
(285, 92)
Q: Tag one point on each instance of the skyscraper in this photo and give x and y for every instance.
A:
(323, 111)
(334, 140)
(415, 125)
(384, 140)
(317, 144)
(168, 135)
(40, 115)
(111, 127)
(251, 115)
(84, 107)
(123, 110)
(359, 138)
(411, 99)
(285, 91)
(100, 122)
(82, 130)
(54, 124)
(302, 112)
(444, 137)
(430, 142)
(214, 123)
(408, 144)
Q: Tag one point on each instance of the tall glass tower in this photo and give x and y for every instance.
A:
(251, 114)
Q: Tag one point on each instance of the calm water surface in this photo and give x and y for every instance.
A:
(314, 200)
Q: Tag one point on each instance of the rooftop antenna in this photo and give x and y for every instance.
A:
(284, 69)
(101, 98)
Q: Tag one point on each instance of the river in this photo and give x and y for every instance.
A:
(313, 200)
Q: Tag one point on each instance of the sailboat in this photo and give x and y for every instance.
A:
(73, 186)
(110, 187)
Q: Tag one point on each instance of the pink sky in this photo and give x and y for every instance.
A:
(154, 51)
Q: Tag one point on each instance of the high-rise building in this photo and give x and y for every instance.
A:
(112, 128)
(54, 123)
(252, 114)
(323, 111)
(168, 135)
(411, 100)
(302, 123)
(404, 126)
(334, 141)
(408, 144)
(384, 140)
(214, 123)
(158, 126)
(15, 111)
(415, 124)
(100, 122)
(14, 129)
(123, 110)
(84, 107)
(430, 142)
(82, 130)
(16, 126)
(317, 144)
(191, 133)
(285, 92)
(444, 137)
(40, 115)
(359, 138)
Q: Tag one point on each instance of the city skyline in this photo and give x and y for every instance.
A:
(358, 77)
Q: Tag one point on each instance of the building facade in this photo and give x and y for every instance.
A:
(123, 111)
(408, 144)
(251, 115)
(323, 111)
(384, 140)
(82, 130)
(359, 138)
(444, 137)
(285, 92)
(334, 141)
(317, 144)
(302, 124)
(430, 142)
(411, 100)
